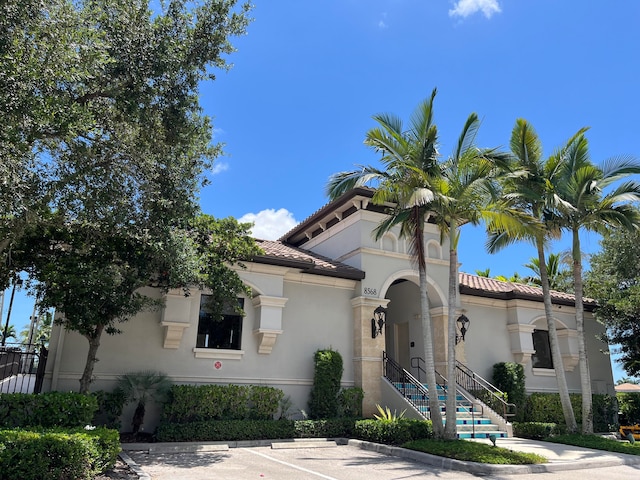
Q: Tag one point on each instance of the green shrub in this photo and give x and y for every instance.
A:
(323, 400)
(332, 428)
(537, 430)
(629, 407)
(509, 377)
(546, 408)
(57, 454)
(52, 409)
(110, 406)
(201, 403)
(393, 433)
(350, 402)
(264, 402)
(605, 410)
(237, 430)
(225, 430)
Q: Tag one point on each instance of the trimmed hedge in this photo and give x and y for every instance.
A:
(202, 403)
(394, 433)
(537, 430)
(52, 409)
(57, 454)
(323, 399)
(509, 377)
(546, 408)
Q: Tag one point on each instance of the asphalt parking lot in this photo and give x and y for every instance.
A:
(262, 463)
(344, 462)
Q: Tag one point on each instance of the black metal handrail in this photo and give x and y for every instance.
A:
(408, 386)
(470, 407)
(484, 391)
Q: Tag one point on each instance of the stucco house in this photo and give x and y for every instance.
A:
(319, 287)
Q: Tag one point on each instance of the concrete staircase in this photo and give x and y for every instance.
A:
(471, 421)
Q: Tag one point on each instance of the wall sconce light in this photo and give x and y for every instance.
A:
(378, 321)
(463, 325)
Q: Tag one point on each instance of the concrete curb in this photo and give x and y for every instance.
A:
(142, 475)
(485, 468)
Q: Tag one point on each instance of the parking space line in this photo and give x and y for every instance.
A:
(326, 477)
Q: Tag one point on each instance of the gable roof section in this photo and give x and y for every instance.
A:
(281, 254)
(330, 214)
(492, 288)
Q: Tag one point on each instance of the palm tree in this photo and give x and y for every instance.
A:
(466, 188)
(141, 387)
(527, 213)
(11, 333)
(585, 206)
(411, 165)
(559, 275)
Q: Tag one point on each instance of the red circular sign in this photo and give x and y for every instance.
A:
(218, 365)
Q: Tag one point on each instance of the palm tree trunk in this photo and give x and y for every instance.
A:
(450, 426)
(94, 343)
(430, 366)
(585, 375)
(556, 356)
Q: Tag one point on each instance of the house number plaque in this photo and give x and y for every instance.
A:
(372, 292)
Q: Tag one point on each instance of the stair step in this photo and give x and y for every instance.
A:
(481, 434)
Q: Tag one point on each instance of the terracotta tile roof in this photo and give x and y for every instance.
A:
(490, 287)
(279, 253)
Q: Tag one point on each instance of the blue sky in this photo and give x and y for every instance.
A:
(308, 77)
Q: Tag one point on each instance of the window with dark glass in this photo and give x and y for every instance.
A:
(542, 357)
(216, 331)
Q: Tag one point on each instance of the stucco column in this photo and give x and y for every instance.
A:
(440, 320)
(367, 352)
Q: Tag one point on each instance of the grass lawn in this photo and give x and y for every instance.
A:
(597, 443)
(474, 452)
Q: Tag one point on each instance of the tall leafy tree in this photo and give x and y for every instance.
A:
(526, 212)
(101, 119)
(96, 282)
(614, 281)
(464, 190)
(109, 147)
(586, 206)
(411, 169)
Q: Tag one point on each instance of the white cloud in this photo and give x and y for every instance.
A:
(464, 8)
(382, 23)
(219, 167)
(270, 224)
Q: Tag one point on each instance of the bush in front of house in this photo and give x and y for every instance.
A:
(323, 400)
(350, 402)
(56, 454)
(629, 407)
(225, 430)
(394, 432)
(510, 378)
(52, 409)
(537, 430)
(546, 408)
(110, 406)
(200, 403)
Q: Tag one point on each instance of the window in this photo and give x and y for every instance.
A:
(542, 357)
(220, 333)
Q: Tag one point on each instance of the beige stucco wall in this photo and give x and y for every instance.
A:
(314, 317)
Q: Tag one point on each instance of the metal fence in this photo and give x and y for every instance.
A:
(22, 368)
